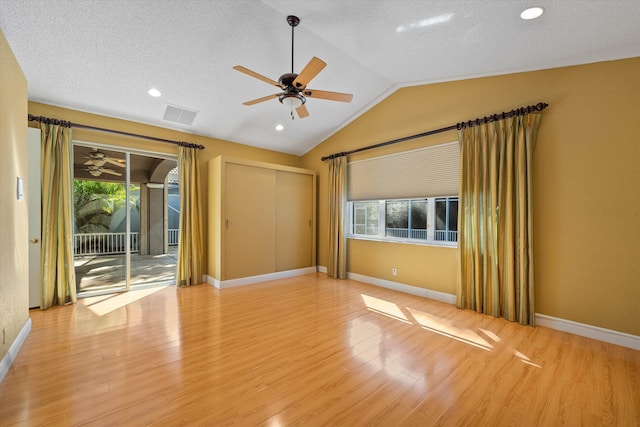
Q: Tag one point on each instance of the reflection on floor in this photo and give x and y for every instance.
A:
(107, 272)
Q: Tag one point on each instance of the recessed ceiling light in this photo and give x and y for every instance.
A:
(532, 13)
(279, 127)
(154, 92)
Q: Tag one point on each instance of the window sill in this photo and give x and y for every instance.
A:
(437, 243)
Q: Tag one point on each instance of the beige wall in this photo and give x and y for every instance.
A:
(213, 147)
(586, 184)
(14, 231)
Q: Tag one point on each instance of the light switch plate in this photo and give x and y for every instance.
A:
(20, 189)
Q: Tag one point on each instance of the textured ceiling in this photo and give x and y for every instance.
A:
(103, 56)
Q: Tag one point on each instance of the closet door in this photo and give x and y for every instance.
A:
(294, 220)
(250, 194)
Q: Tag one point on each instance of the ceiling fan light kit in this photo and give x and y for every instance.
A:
(294, 86)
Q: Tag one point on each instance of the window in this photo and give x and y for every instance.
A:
(406, 219)
(409, 196)
(428, 220)
(446, 219)
(365, 218)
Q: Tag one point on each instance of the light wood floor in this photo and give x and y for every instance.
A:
(308, 351)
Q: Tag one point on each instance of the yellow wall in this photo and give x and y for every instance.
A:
(213, 147)
(14, 231)
(586, 184)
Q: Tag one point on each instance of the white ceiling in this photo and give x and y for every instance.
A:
(103, 56)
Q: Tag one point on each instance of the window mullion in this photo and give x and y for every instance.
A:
(382, 218)
(408, 219)
(446, 223)
(431, 219)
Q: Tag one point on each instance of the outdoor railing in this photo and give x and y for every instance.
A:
(111, 243)
(173, 236)
(447, 236)
(104, 243)
(406, 233)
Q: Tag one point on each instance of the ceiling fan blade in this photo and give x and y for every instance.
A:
(116, 162)
(325, 94)
(302, 111)
(111, 172)
(264, 98)
(307, 74)
(257, 76)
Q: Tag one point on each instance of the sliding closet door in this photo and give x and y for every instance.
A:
(294, 213)
(250, 215)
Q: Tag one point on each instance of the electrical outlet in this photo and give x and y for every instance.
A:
(394, 271)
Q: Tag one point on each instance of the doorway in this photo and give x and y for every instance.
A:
(122, 236)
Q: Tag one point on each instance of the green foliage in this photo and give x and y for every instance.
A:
(94, 202)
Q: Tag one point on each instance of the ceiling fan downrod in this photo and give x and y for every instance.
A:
(293, 22)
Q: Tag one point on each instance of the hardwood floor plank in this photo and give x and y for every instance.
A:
(305, 351)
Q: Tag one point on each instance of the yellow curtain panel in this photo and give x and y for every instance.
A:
(56, 269)
(337, 267)
(495, 218)
(190, 244)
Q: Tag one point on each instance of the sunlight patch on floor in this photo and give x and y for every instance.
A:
(490, 334)
(446, 328)
(525, 359)
(101, 305)
(384, 307)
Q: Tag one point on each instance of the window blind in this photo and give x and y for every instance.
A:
(426, 172)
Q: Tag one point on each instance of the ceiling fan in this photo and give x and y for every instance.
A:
(97, 171)
(294, 86)
(98, 159)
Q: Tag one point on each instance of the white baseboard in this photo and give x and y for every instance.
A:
(409, 289)
(223, 284)
(212, 281)
(589, 331)
(8, 358)
(322, 269)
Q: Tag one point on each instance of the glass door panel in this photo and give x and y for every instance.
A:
(100, 217)
(155, 225)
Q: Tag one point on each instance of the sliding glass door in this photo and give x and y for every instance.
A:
(121, 235)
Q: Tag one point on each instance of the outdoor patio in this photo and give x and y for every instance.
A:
(107, 272)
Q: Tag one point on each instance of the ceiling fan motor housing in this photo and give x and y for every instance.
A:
(287, 80)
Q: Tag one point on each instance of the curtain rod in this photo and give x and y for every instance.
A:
(42, 119)
(462, 125)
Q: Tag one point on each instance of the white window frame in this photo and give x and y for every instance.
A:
(431, 221)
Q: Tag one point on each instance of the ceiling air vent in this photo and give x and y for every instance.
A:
(180, 115)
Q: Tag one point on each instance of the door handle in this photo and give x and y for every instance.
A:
(34, 240)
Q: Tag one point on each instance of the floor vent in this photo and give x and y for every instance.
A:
(180, 115)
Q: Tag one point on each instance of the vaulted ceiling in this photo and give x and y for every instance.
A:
(103, 56)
